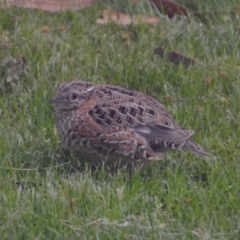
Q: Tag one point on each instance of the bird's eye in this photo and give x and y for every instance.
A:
(74, 96)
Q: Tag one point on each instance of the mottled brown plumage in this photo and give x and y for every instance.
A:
(116, 125)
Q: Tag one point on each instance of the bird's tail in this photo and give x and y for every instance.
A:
(193, 147)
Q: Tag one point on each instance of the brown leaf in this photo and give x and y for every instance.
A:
(223, 74)
(134, 2)
(159, 51)
(171, 8)
(187, 200)
(208, 80)
(123, 19)
(178, 58)
(61, 28)
(126, 37)
(50, 5)
(169, 98)
(174, 57)
(45, 29)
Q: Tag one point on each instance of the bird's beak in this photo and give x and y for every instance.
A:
(56, 99)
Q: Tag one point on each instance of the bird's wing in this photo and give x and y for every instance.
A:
(142, 114)
(122, 107)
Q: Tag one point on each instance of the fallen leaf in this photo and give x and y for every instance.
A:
(174, 57)
(187, 200)
(61, 28)
(208, 80)
(178, 58)
(134, 2)
(169, 98)
(123, 19)
(45, 29)
(172, 9)
(127, 37)
(159, 51)
(223, 74)
(49, 5)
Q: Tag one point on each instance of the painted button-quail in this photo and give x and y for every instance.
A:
(116, 125)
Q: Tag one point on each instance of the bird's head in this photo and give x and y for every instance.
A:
(71, 95)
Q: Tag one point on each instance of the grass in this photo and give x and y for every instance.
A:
(183, 197)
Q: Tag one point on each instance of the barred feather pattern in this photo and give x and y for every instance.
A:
(117, 125)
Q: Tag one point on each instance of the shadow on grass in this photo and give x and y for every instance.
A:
(65, 164)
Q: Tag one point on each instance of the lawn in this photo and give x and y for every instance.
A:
(44, 196)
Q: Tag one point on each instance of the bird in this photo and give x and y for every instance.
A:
(110, 124)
